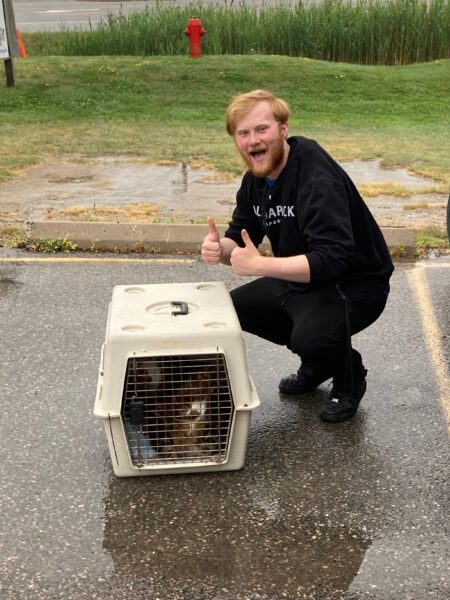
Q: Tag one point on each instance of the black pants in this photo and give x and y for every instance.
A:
(317, 325)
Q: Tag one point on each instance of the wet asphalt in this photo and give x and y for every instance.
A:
(354, 511)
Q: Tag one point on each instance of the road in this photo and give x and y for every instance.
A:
(52, 15)
(354, 511)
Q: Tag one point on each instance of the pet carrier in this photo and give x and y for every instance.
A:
(173, 389)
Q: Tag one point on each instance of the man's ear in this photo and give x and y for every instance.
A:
(284, 129)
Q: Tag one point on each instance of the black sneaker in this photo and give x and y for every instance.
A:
(342, 405)
(304, 381)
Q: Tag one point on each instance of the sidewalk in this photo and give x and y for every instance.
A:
(183, 195)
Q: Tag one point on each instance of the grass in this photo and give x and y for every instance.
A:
(416, 206)
(397, 190)
(133, 212)
(49, 246)
(431, 239)
(12, 237)
(172, 109)
(365, 31)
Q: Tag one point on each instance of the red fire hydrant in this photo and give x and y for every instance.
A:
(194, 31)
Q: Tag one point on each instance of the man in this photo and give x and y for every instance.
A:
(329, 274)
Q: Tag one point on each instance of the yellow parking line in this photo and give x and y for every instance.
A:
(433, 338)
(99, 259)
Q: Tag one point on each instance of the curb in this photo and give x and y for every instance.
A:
(166, 238)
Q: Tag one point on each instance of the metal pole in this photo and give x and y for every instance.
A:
(9, 71)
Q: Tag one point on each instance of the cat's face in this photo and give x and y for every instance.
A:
(192, 400)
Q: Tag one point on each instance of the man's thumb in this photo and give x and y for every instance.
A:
(246, 238)
(212, 229)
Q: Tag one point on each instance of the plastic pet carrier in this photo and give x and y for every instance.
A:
(173, 389)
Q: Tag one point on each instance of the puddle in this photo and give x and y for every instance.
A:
(194, 536)
(371, 171)
(183, 193)
(178, 189)
(6, 284)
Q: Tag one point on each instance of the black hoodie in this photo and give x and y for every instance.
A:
(314, 209)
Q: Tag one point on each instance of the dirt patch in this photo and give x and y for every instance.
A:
(181, 193)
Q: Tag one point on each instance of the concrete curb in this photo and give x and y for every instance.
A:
(165, 238)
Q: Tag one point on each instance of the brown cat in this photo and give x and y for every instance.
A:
(188, 416)
(182, 416)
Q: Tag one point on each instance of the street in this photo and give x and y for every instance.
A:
(353, 511)
(53, 15)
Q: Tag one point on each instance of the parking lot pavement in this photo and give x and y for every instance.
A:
(352, 511)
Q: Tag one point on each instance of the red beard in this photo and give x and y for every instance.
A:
(273, 157)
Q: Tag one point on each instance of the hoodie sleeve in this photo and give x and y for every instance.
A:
(327, 227)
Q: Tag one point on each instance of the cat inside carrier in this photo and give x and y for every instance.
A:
(173, 389)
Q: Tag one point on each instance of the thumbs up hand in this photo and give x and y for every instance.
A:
(211, 250)
(247, 260)
(213, 234)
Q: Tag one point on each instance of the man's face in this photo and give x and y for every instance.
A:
(261, 141)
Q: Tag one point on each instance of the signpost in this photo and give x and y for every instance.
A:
(9, 47)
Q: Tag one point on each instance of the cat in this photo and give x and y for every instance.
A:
(187, 416)
(180, 407)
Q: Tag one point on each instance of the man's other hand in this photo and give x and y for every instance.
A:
(247, 260)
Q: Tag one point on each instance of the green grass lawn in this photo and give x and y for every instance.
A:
(173, 108)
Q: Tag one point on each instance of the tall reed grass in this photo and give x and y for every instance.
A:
(384, 32)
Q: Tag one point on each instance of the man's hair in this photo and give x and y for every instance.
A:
(243, 104)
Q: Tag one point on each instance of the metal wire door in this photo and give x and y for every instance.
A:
(177, 409)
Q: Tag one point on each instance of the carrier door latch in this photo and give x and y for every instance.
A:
(137, 413)
(184, 309)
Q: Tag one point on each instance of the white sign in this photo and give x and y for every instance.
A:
(4, 52)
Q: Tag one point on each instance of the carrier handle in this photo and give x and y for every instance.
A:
(184, 309)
